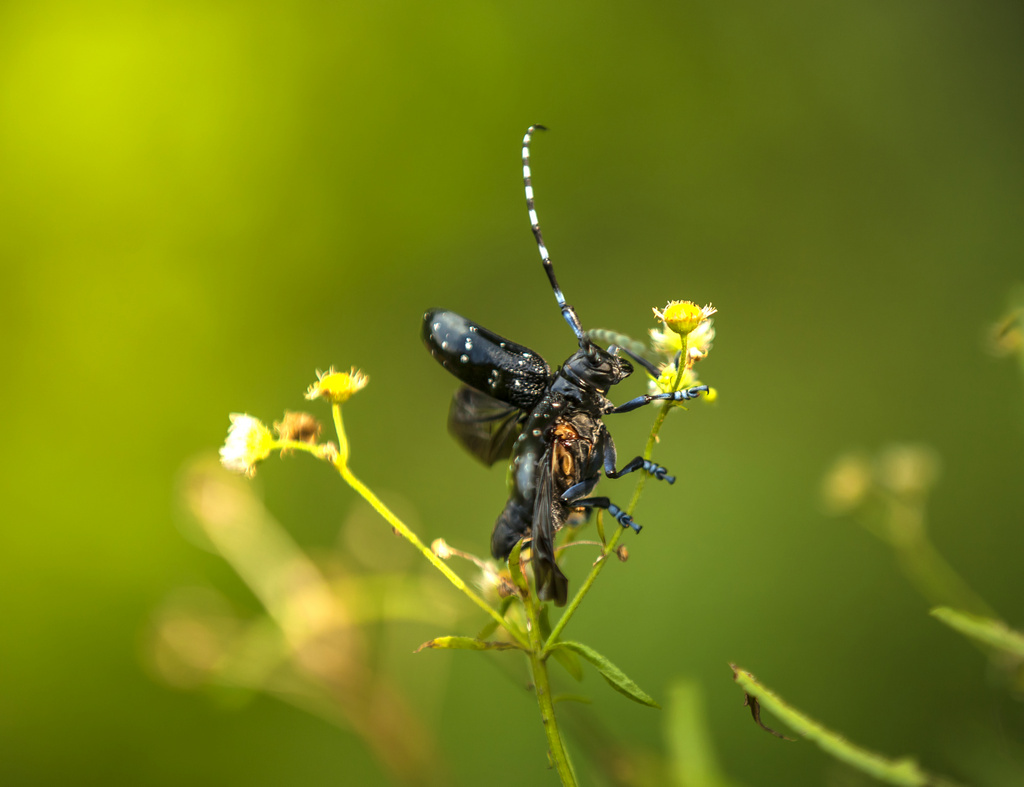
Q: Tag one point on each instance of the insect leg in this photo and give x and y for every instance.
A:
(677, 396)
(637, 463)
(621, 516)
(659, 472)
(582, 489)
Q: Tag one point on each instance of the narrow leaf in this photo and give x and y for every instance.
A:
(465, 643)
(615, 677)
(903, 771)
(570, 661)
(515, 568)
(988, 631)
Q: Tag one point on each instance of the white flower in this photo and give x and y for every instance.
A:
(249, 442)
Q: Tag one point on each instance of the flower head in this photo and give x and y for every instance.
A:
(908, 470)
(249, 442)
(682, 317)
(337, 387)
(301, 427)
(440, 548)
(686, 325)
(699, 341)
(847, 485)
(666, 342)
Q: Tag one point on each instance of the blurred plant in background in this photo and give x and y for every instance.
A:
(888, 494)
(313, 647)
(1006, 336)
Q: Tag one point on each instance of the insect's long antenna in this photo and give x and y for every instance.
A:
(567, 311)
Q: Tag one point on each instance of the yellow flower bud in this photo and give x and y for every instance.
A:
(682, 317)
(337, 387)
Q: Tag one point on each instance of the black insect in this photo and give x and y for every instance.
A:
(511, 405)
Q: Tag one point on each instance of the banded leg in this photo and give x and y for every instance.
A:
(677, 396)
(636, 463)
(621, 516)
(657, 471)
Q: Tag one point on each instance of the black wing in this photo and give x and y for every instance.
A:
(486, 427)
(484, 360)
(552, 584)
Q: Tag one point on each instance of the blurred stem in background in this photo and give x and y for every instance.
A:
(312, 653)
(888, 496)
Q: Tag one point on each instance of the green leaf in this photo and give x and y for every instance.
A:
(616, 677)
(988, 631)
(515, 568)
(570, 661)
(544, 623)
(465, 643)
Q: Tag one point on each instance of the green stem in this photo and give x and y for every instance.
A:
(937, 580)
(299, 445)
(901, 522)
(542, 687)
(341, 465)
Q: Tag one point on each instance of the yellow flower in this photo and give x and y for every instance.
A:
(337, 387)
(249, 442)
(667, 343)
(683, 317)
(699, 341)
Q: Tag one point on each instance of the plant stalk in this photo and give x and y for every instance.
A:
(542, 687)
(341, 465)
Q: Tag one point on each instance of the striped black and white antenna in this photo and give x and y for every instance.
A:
(567, 311)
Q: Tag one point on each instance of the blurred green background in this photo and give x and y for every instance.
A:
(204, 202)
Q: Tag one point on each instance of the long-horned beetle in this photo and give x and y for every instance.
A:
(512, 406)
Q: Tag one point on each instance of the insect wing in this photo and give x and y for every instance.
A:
(485, 426)
(552, 584)
(509, 372)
